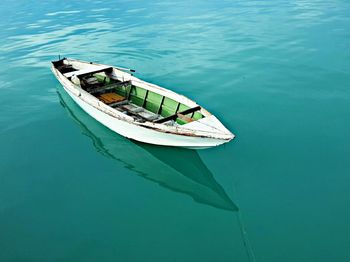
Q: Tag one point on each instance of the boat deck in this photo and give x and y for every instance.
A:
(105, 92)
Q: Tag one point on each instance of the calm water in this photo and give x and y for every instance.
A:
(275, 72)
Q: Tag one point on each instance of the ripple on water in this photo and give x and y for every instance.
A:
(277, 72)
(205, 42)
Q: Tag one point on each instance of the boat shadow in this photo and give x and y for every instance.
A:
(177, 169)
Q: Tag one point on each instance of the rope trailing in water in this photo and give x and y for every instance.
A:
(246, 242)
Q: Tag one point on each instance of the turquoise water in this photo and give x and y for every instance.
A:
(275, 72)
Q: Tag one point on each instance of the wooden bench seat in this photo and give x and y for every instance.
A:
(109, 98)
(182, 115)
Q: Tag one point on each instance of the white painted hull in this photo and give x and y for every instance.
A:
(143, 134)
(134, 131)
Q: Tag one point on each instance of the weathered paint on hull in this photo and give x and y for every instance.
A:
(142, 134)
(146, 133)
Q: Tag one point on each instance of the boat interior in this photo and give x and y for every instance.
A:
(141, 104)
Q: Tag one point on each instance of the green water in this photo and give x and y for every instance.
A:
(276, 73)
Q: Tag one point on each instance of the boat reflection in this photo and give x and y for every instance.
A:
(177, 169)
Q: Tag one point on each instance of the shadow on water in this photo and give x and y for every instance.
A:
(177, 169)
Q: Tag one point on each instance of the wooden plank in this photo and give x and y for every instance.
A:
(160, 107)
(129, 92)
(174, 116)
(145, 99)
(185, 118)
(109, 98)
(177, 108)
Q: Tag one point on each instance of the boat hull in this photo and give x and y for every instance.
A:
(138, 132)
(143, 134)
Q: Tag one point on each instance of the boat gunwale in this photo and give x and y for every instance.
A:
(150, 86)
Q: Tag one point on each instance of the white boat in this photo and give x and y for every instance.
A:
(137, 109)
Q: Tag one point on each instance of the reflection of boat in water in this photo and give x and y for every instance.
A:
(177, 169)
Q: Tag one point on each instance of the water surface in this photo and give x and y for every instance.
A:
(275, 72)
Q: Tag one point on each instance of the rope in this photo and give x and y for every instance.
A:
(246, 242)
